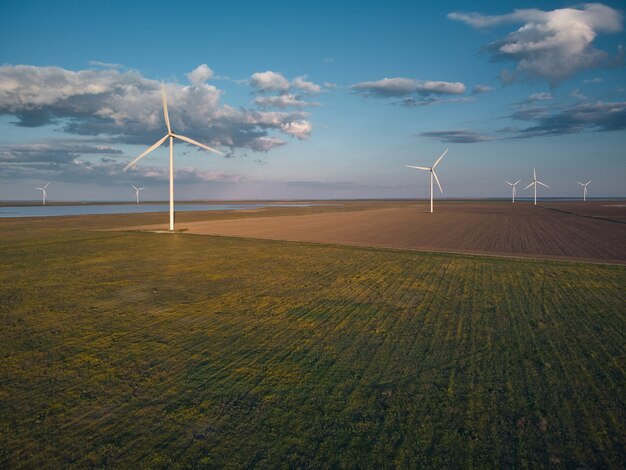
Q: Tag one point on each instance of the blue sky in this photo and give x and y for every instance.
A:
(320, 100)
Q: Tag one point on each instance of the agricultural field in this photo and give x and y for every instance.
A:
(593, 231)
(130, 348)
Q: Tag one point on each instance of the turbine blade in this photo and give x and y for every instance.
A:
(145, 153)
(165, 113)
(40, 189)
(517, 182)
(437, 180)
(529, 185)
(418, 167)
(191, 141)
(508, 182)
(580, 183)
(539, 182)
(134, 187)
(139, 189)
(588, 182)
(439, 159)
(48, 184)
(534, 173)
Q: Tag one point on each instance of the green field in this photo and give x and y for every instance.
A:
(178, 351)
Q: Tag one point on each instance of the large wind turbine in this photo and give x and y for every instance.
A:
(584, 185)
(535, 183)
(432, 174)
(137, 191)
(43, 193)
(171, 137)
(513, 188)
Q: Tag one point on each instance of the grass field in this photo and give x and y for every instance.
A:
(128, 348)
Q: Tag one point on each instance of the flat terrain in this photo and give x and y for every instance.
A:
(134, 349)
(591, 231)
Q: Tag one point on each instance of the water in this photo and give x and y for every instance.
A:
(91, 209)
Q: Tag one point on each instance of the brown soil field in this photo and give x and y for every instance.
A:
(592, 231)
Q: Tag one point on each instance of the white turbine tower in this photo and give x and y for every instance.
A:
(432, 174)
(43, 193)
(137, 192)
(171, 137)
(513, 188)
(535, 183)
(584, 185)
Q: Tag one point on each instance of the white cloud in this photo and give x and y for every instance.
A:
(200, 74)
(283, 101)
(550, 44)
(307, 87)
(269, 81)
(540, 97)
(396, 87)
(446, 88)
(482, 89)
(386, 87)
(286, 93)
(299, 129)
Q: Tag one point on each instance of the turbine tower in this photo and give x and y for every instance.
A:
(43, 193)
(432, 174)
(584, 185)
(171, 137)
(513, 188)
(137, 192)
(535, 183)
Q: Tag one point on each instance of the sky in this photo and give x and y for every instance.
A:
(311, 100)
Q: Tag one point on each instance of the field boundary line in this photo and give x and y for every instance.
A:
(588, 216)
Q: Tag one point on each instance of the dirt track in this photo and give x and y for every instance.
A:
(594, 231)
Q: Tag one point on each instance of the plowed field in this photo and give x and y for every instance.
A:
(592, 231)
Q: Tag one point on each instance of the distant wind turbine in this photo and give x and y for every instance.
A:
(535, 183)
(43, 193)
(584, 185)
(171, 137)
(513, 188)
(432, 174)
(137, 192)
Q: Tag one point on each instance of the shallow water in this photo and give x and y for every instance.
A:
(91, 209)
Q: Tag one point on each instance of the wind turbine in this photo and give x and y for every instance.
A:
(432, 174)
(137, 192)
(535, 183)
(171, 137)
(43, 193)
(584, 185)
(513, 188)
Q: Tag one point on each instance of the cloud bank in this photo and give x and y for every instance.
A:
(102, 108)
(413, 92)
(457, 136)
(552, 45)
(598, 116)
(125, 107)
